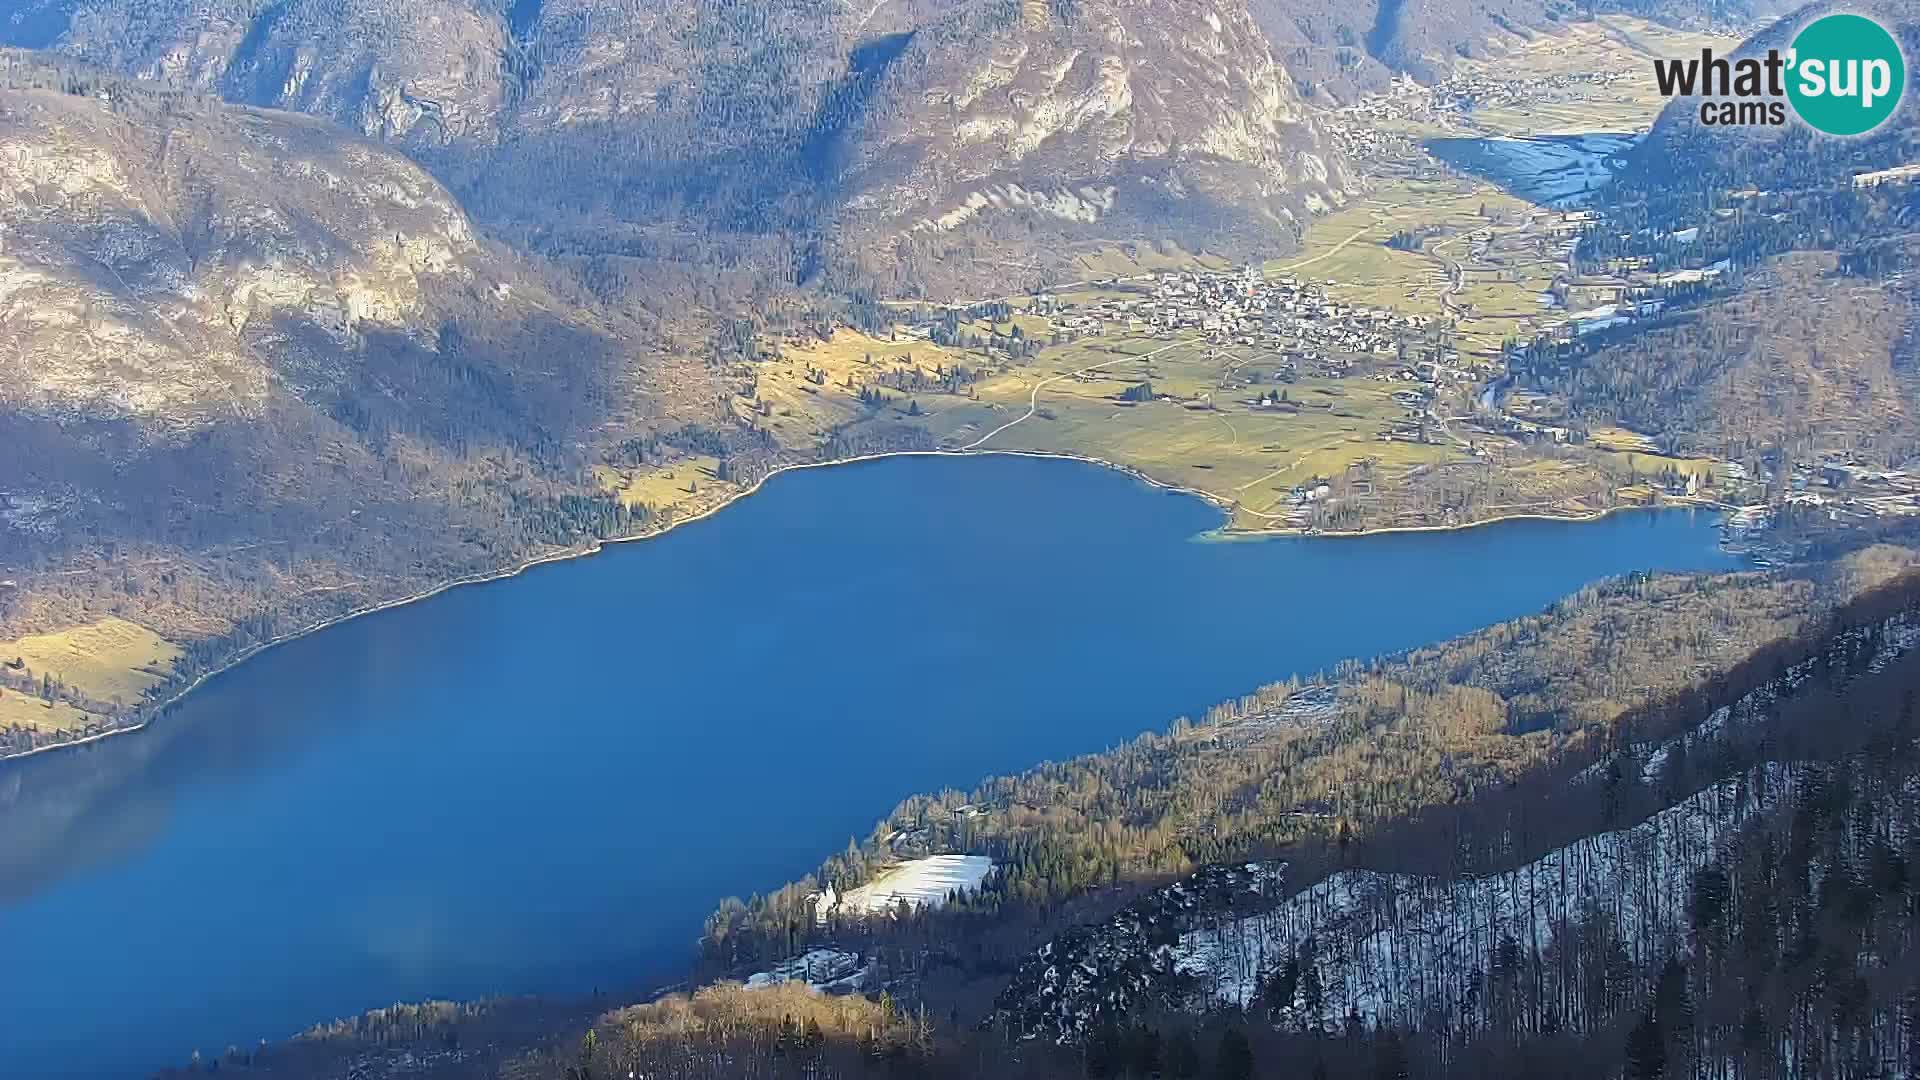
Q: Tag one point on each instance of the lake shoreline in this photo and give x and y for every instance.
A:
(367, 782)
(594, 547)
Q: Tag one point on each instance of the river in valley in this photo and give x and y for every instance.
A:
(543, 784)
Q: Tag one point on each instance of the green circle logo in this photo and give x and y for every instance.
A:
(1847, 74)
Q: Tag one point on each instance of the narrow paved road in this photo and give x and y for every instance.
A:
(1033, 400)
(1334, 250)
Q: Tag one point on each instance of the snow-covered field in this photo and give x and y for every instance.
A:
(922, 883)
(1553, 169)
(1683, 277)
(1596, 319)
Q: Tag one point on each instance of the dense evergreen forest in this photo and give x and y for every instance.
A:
(1787, 288)
(1322, 761)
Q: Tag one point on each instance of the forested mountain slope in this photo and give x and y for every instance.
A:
(1763, 925)
(255, 370)
(1801, 354)
(1685, 158)
(1792, 322)
(1333, 758)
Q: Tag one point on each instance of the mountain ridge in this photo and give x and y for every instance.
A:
(260, 369)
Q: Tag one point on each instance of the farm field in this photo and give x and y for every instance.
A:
(665, 486)
(1200, 431)
(29, 711)
(105, 663)
(1489, 259)
(1593, 76)
(1477, 251)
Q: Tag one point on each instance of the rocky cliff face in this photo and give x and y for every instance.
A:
(935, 134)
(424, 73)
(862, 123)
(162, 263)
(1065, 113)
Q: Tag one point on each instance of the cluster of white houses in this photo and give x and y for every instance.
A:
(1845, 490)
(1408, 99)
(1284, 314)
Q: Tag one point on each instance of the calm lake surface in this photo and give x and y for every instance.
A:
(543, 784)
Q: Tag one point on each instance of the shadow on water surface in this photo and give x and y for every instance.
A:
(93, 805)
(543, 784)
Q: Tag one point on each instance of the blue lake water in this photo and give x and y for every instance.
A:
(543, 784)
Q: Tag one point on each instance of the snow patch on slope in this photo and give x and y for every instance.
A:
(918, 883)
(1393, 946)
